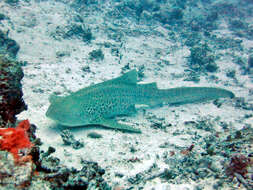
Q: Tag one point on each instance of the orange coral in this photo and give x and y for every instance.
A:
(15, 139)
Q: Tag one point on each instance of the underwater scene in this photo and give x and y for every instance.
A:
(126, 94)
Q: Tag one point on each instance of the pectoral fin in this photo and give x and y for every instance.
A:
(111, 123)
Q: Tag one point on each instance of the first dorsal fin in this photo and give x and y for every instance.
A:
(128, 78)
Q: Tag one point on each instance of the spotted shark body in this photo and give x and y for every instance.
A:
(99, 104)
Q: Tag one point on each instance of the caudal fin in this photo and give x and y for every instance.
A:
(186, 95)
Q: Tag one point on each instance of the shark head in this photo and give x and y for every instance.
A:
(65, 111)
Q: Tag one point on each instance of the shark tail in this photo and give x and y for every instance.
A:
(186, 95)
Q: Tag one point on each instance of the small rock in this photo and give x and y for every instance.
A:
(60, 54)
(86, 69)
(2, 16)
(50, 164)
(12, 2)
(68, 139)
(231, 74)
(96, 55)
(94, 135)
(250, 61)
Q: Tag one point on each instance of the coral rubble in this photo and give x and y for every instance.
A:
(68, 139)
(14, 176)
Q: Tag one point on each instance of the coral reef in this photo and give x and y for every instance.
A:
(11, 102)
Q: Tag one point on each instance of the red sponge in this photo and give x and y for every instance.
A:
(15, 139)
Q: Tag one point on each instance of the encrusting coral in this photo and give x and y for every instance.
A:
(14, 140)
(16, 162)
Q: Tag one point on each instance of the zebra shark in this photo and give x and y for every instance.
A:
(99, 104)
